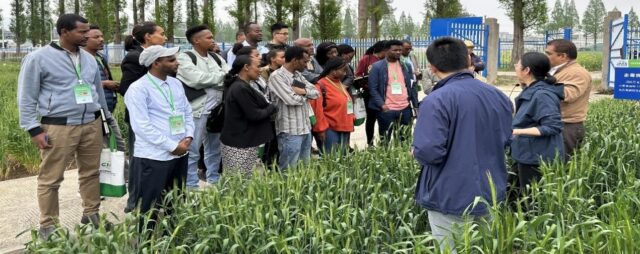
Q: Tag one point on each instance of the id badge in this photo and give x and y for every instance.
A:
(349, 108)
(176, 124)
(83, 93)
(396, 88)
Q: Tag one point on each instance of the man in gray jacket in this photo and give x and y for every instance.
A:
(203, 73)
(61, 85)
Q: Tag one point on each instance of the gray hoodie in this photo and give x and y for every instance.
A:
(45, 88)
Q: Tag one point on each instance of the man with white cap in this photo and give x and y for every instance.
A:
(161, 119)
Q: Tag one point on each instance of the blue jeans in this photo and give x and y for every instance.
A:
(336, 140)
(212, 154)
(293, 148)
(387, 122)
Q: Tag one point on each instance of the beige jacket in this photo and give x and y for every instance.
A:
(577, 88)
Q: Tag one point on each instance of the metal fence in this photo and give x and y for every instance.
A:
(115, 52)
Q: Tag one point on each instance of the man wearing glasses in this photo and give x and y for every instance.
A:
(280, 36)
(577, 87)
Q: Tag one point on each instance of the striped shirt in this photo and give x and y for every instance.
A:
(293, 109)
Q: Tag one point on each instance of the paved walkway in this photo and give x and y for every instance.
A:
(19, 207)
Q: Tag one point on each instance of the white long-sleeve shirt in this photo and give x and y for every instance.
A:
(149, 112)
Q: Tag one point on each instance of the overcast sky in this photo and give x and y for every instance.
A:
(485, 8)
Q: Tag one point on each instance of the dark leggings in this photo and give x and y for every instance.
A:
(370, 121)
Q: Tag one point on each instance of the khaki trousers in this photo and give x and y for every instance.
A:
(85, 143)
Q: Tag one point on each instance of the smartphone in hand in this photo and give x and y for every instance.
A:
(299, 84)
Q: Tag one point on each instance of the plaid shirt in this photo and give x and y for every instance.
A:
(293, 109)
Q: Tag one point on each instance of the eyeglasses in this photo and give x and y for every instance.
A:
(285, 33)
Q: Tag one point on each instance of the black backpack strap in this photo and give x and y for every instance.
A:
(192, 56)
(216, 58)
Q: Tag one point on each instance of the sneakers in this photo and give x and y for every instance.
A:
(94, 219)
(45, 232)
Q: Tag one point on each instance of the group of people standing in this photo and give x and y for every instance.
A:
(464, 127)
(261, 106)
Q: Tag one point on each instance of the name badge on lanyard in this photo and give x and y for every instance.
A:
(81, 91)
(176, 120)
(396, 86)
(176, 124)
(350, 107)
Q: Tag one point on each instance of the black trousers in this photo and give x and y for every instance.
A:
(370, 121)
(525, 174)
(132, 186)
(572, 135)
(155, 178)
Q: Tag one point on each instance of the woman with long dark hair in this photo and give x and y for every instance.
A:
(347, 53)
(537, 124)
(247, 118)
(373, 54)
(143, 36)
(333, 108)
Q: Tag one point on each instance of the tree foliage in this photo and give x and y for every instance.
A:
(241, 12)
(593, 18)
(633, 19)
(193, 13)
(277, 11)
(326, 20)
(348, 27)
(208, 11)
(525, 14)
(444, 9)
(19, 23)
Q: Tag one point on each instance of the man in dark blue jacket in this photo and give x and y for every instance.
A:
(392, 91)
(461, 132)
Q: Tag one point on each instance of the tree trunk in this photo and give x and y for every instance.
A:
(76, 7)
(374, 22)
(255, 11)
(60, 7)
(118, 33)
(518, 32)
(595, 39)
(45, 34)
(170, 17)
(141, 6)
(362, 19)
(295, 21)
(247, 11)
(134, 4)
(157, 12)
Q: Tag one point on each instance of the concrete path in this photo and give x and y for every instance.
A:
(19, 207)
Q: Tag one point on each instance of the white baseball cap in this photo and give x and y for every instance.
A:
(150, 54)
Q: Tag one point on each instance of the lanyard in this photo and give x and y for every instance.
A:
(104, 69)
(395, 71)
(168, 99)
(340, 87)
(76, 67)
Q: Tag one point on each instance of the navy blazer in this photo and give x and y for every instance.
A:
(378, 79)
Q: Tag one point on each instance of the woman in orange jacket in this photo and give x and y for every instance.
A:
(333, 108)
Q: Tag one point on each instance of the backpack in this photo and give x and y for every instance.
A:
(215, 121)
(191, 92)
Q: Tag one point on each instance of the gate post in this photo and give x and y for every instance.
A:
(606, 46)
(492, 49)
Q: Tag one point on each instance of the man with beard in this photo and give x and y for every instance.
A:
(162, 122)
(60, 100)
(95, 43)
(253, 33)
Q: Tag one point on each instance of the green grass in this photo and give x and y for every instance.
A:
(363, 203)
(590, 60)
(19, 156)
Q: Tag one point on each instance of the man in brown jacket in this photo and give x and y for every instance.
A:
(577, 87)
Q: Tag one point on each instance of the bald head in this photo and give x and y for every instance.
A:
(306, 44)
